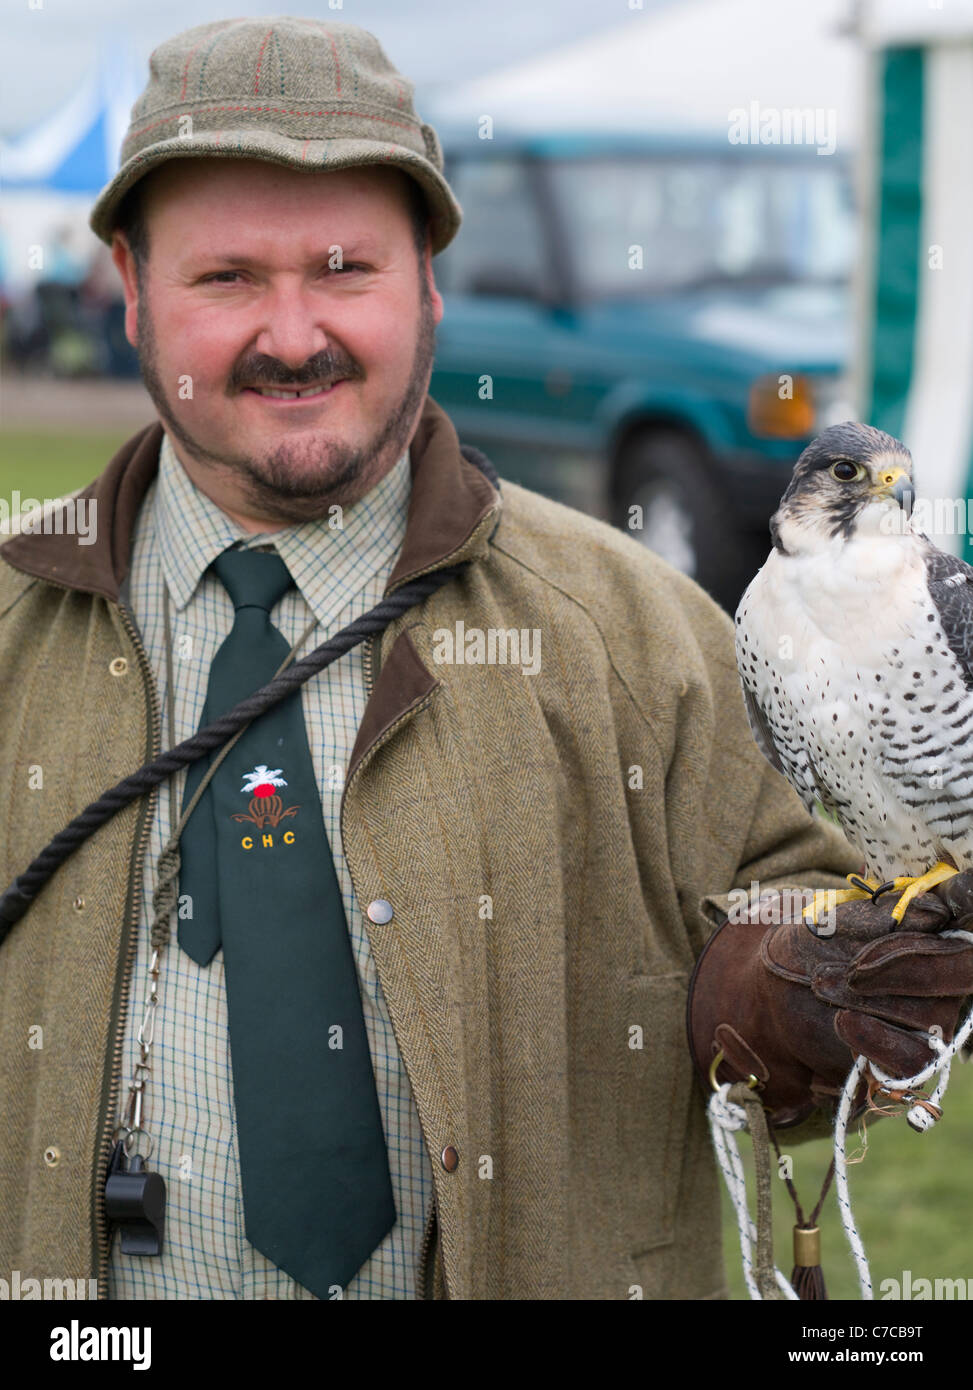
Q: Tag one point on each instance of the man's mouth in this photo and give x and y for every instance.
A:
(285, 393)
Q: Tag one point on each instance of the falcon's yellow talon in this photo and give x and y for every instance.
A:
(857, 879)
(915, 886)
(825, 899)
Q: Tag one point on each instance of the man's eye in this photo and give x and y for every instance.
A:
(227, 275)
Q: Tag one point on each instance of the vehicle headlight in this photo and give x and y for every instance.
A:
(793, 405)
(781, 406)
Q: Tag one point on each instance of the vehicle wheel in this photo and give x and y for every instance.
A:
(685, 515)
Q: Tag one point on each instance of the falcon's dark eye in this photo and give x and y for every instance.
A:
(847, 472)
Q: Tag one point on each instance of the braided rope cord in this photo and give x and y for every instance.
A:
(25, 888)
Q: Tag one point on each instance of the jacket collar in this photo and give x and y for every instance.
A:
(453, 490)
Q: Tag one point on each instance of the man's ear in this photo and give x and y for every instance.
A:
(121, 254)
(435, 297)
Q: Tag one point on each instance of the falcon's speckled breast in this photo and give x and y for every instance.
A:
(854, 669)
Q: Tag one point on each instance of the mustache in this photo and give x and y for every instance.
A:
(268, 371)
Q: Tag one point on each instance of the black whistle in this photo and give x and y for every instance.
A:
(135, 1200)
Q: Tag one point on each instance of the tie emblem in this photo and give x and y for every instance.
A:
(266, 807)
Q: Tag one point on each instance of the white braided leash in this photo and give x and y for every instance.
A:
(725, 1119)
(919, 1117)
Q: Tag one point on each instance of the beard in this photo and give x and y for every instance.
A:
(301, 480)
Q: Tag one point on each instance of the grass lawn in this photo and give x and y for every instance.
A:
(46, 464)
(912, 1197)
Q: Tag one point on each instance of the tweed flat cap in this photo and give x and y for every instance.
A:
(306, 93)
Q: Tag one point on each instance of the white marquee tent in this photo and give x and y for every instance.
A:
(682, 67)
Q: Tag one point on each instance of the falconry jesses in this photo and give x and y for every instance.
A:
(855, 649)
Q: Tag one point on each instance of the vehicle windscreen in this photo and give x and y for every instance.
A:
(699, 222)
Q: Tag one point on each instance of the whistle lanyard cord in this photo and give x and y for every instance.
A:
(165, 896)
(134, 1110)
(22, 892)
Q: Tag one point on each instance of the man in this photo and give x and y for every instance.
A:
(537, 786)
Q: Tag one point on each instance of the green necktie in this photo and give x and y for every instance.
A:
(258, 867)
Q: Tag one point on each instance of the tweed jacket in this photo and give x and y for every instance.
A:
(556, 839)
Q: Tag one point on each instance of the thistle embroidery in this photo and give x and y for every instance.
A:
(266, 807)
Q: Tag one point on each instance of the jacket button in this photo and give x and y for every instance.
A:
(379, 911)
(52, 1156)
(449, 1158)
(118, 666)
(79, 903)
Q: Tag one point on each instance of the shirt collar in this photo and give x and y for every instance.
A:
(329, 563)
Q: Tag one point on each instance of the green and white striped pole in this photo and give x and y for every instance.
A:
(915, 299)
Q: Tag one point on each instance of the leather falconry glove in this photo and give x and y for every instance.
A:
(795, 1009)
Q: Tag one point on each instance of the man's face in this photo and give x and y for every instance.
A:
(240, 295)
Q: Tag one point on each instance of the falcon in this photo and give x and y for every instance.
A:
(854, 646)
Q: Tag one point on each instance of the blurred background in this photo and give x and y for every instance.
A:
(696, 233)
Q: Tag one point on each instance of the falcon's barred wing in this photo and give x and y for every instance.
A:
(950, 584)
(761, 732)
(799, 769)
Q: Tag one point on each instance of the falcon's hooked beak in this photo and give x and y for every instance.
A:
(895, 482)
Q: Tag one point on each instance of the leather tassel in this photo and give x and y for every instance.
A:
(807, 1278)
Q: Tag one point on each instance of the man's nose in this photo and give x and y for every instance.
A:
(292, 328)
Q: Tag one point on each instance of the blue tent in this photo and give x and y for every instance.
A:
(75, 148)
